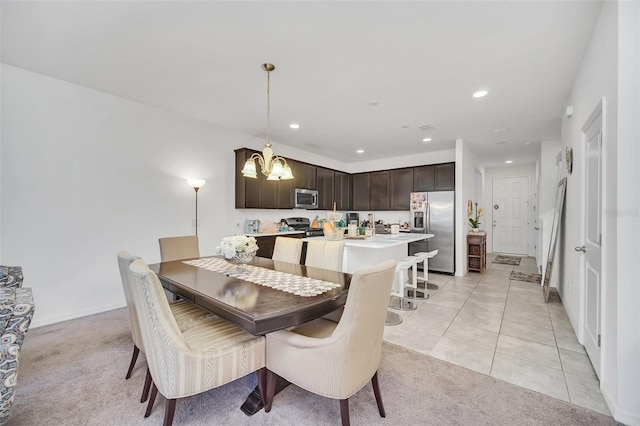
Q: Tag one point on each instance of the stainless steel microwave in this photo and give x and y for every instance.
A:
(306, 199)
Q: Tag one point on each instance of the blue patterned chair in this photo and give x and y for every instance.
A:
(16, 312)
(11, 276)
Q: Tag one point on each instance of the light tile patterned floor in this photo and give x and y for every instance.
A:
(504, 329)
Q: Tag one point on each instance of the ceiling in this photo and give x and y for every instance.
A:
(354, 75)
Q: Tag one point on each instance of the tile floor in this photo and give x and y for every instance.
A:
(504, 329)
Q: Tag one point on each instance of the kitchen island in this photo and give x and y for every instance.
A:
(361, 253)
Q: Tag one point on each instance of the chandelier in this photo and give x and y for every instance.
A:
(272, 166)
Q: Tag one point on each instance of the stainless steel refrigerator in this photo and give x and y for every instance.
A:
(433, 213)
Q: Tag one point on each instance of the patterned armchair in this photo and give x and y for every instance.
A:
(11, 276)
(16, 312)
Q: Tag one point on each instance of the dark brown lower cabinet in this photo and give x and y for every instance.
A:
(267, 243)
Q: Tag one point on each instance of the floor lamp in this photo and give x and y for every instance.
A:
(196, 184)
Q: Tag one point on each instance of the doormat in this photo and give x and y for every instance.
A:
(507, 260)
(529, 278)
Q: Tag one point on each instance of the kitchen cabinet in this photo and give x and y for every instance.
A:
(361, 184)
(267, 243)
(434, 177)
(304, 175)
(477, 251)
(401, 183)
(423, 179)
(342, 190)
(445, 177)
(325, 181)
(260, 193)
(379, 190)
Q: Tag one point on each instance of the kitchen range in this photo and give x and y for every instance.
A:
(303, 224)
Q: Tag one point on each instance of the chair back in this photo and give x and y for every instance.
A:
(125, 259)
(325, 254)
(158, 328)
(178, 248)
(363, 320)
(11, 276)
(16, 311)
(287, 249)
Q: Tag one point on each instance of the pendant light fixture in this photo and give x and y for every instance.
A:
(272, 166)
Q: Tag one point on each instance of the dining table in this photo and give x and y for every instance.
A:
(260, 297)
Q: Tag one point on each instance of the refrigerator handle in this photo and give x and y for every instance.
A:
(428, 222)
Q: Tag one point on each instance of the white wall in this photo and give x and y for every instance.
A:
(85, 174)
(610, 69)
(466, 167)
(527, 170)
(548, 179)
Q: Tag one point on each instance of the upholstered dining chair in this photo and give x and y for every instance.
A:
(185, 363)
(186, 314)
(178, 248)
(325, 254)
(336, 360)
(11, 276)
(287, 249)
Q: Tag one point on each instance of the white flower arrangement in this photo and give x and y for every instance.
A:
(232, 246)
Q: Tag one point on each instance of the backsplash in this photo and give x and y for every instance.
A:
(276, 215)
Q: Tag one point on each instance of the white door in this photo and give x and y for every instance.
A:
(510, 215)
(592, 249)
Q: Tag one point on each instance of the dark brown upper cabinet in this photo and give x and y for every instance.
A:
(445, 177)
(325, 181)
(423, 179)
(361, 185)
(342, 190)
(379, 192)
(304, 175)
(401, 182)
(260, 193)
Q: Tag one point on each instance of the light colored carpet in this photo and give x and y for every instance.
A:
(72, 373)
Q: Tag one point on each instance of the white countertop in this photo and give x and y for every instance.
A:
(267, 234)
(381, 240)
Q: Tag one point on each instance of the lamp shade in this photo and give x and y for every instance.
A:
(249, 169)
(196, 183)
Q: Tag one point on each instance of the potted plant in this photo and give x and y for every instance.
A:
(474, 221)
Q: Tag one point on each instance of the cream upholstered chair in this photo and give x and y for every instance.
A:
(287, 249)
(336, 360)
(325, 254)
(186, 314)
(185, 363)
(178, 248)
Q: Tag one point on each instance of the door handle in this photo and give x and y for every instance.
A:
(581, 248)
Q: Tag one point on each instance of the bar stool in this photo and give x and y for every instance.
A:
(398, 300)
(424, 257)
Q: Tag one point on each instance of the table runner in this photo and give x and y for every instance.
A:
(300, 286)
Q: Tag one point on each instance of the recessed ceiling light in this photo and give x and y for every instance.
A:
(480, 94)
(360, 151)
(374, 103)
(504, 129)
(426, 140)
(294, 126)
(527, 143)
(508, 162)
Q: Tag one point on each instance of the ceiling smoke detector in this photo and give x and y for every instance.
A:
(426, 128)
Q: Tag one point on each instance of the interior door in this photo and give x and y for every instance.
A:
(510, 215)
(592, 248)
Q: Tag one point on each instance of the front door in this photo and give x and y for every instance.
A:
(510, 215)
(592, 248)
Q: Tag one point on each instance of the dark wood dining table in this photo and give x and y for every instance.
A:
(255, 308)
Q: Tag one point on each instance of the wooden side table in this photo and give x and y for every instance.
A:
(477, 251)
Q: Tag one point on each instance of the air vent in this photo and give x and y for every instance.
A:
(426, 128)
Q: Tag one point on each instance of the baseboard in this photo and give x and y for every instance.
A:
(621, 416)
(40, 322)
